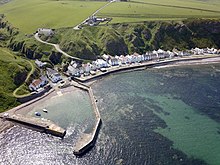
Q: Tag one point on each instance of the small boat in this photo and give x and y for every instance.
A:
(37, 113)
(45, 110)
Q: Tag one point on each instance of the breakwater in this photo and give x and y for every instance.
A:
(38, 124)
(86, 141)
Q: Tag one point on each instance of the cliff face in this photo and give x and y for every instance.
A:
(189, 34)
(33, 50)
(129, 38)
(116, 39)
(12, 38)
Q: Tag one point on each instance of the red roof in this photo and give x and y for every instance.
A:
(36, 82)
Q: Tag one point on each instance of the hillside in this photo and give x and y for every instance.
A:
(14, 71)
(129, 38)
(11, 37)
(17, 70)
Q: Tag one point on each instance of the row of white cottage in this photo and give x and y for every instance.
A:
(107, 60)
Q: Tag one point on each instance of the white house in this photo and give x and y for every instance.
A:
(210, 50)
(53, 75)
(72, 71)
(137, 57)
(153, 55)
(113, 61)
(140, 58)
(184, 53)
(166, 54)
(147, 56)
(197, 51)
(81, 70)
(46, 32)
(87, 68)
(100, 63)
(171, 54)
(93, 66)
(105, 57)
(38, 83)
(129, 59)
(160, 53)
(123, 59)
(39, 63)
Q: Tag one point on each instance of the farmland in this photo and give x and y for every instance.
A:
(29, 15)
(151, 10)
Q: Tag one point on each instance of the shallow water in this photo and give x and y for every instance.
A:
(70, 107)
(155, 116)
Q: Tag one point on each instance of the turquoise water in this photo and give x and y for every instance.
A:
(167, 116)
(194, 134)
(185, 101)
(68, 107)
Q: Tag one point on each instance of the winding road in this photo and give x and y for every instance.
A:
(57, 47)
(28, 76)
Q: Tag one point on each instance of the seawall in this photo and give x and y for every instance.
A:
(86, 141)
(143, 65)
(37, 124)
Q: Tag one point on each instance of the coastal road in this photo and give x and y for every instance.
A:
(57, 47)
(77, 26)
(28, 76)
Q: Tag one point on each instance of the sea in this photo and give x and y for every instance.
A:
(156, 116)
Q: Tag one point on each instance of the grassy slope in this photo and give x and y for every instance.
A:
(13, 70)
(23, 90)
(120, 39)
(28, 15)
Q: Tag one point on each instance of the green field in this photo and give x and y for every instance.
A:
(28, 15)
(148, 10)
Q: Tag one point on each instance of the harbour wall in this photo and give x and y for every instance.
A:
(85, 143)
(37, 124)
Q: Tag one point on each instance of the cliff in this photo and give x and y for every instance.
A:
(26, 44)
(115, 39)
(129, 38)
